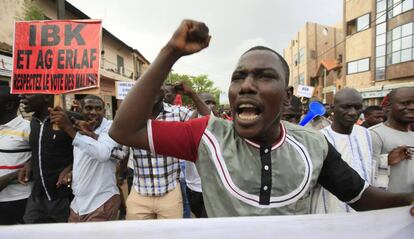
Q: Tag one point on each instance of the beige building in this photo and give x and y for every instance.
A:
(314, 57)
(379, 46)
(119, 61)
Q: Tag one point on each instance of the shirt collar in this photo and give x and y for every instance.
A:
(278, 141)
(166, 107)
(102, 125)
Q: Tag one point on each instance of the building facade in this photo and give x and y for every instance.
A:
(119, 61)
(379, 46)
(314, 57)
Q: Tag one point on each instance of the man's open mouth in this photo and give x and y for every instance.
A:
(248, 112)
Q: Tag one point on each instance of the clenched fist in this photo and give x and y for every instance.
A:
(190, 37)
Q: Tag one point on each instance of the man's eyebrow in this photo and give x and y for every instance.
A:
(243, 69)
(272, 70)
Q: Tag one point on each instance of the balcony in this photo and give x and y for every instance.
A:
(111, 70)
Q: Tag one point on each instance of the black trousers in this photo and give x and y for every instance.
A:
(196, 203)
(12, 212)
(41, 210)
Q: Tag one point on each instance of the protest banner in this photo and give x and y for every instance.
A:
(56, 57)
(122, 88)
(305, 91)
(395, 223)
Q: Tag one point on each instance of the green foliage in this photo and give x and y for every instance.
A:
(200, 84)
(32, 11)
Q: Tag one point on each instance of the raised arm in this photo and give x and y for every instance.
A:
(201, 107)
(129, 126)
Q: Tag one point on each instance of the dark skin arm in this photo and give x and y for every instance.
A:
(5, 180)
(59, 117)
(65, 177)
(86, 128)
(189, 38)
(398, 154)
(24, 173)
(201, 107)
(374, 198)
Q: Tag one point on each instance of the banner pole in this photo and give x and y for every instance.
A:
(59, 100)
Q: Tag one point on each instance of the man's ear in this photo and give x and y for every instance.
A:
(288, 98)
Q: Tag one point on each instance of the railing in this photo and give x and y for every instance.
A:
(113, 67)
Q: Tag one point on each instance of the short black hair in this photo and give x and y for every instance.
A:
(284, 63)
(393, 92)
(91, 97)
(371, 109)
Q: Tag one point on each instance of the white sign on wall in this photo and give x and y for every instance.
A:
(374, 94)
(122, 88)
(305, 91)
(6, 65)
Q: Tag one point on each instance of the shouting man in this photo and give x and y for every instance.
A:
(254, 165)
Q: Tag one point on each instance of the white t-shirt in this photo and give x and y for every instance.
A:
(191, 177)
(14, 152)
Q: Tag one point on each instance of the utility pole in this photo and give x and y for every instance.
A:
(60, 4)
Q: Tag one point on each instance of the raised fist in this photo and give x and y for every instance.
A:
(190, 37)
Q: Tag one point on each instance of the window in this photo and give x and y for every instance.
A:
(381, 28)
(362, 23)
(380, 73)
(359, 24)
(301, 55)
(400, 46)
(295, 59)
(313, 54)
(381, 6)
(302, 79)
(381, 46)
(120, 64)
(396, 7)
(380, 62)
(358, 66)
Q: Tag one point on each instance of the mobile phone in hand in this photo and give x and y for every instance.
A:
(178, 88)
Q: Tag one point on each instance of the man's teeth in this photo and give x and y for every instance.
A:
(247, 112)
(246, 106)
(247, 116)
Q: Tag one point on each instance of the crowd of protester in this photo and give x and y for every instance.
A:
(250, 159)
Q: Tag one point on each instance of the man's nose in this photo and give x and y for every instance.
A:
(248, 85)
(353, 111)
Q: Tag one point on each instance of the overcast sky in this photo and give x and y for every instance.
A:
(235, 26)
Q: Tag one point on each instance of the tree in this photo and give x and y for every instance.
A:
(32, 11)
(199, 83)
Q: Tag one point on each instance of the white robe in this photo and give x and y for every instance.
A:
(356, 150)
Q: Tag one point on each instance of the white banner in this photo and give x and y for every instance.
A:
(224, 98)
(305, 91)
(122, 88)
(390, 223)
